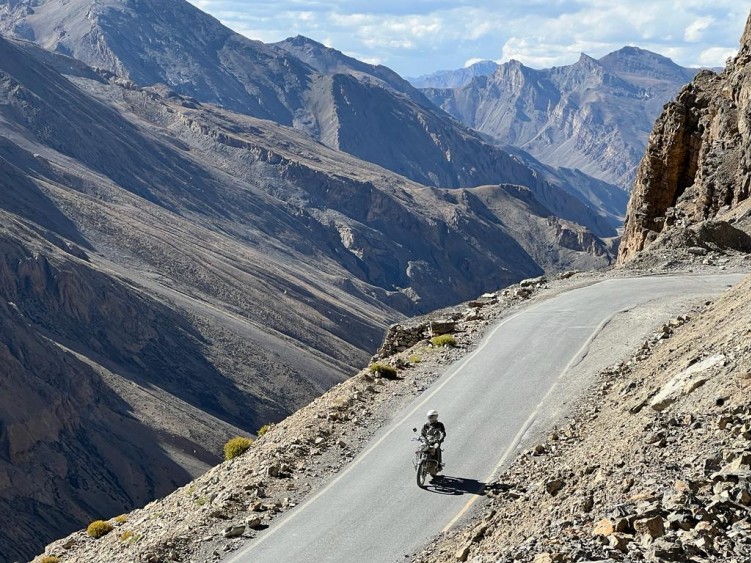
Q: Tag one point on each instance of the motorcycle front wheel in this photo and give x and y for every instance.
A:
(422, 472)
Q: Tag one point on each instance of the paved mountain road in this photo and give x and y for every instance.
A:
(374, 512)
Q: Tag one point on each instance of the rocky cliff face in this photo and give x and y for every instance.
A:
(594, 115)
(697, 167)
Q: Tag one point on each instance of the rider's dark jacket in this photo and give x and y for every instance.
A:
(433, 427)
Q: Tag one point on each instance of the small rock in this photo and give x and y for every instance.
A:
(553, 486)
(462, 553)
(254, 522)
(233, 531)
(604, 528)
(619, 542)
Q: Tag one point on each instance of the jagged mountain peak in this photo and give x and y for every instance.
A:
(594, 115)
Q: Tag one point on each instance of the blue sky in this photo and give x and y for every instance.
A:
(420, 36)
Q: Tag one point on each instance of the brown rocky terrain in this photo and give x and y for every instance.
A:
(300, 453)
(235, 501)
(692, 186)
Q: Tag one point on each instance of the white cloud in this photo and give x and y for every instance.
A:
(695, 30)
(418, 36)
(715, 56)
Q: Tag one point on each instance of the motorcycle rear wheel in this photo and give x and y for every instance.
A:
(422, 472)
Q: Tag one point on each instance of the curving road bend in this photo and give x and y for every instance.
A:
(373, 511)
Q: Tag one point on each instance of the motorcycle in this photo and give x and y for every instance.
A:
(426, 459)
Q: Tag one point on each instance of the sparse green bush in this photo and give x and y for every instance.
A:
(263, 429)
(414, 359)
(444, 340)
(122, 519)
(236, 446)
(50, 559)
(200, 501)
(99, 528)
(383, 370)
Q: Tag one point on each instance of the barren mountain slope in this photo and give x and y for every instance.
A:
(250, 267)
(594, 115)
(108, 398)
(365, 110)
(692, 189)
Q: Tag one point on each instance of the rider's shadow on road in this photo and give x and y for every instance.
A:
(446, 485)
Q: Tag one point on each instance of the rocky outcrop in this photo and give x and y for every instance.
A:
(698, 162)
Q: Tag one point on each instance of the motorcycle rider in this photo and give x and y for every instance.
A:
(434, 432)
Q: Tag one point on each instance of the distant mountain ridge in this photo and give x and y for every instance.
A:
(365, 110)
(454, 78)
(594, 115)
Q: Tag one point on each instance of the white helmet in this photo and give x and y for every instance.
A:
(432, 413)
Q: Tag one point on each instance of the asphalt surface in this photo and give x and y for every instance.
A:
(373, 510)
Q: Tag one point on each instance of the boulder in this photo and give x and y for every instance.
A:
(685, 382)
(653, 527)
(444, 326)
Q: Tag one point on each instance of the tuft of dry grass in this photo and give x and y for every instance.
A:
(99, 528)
(236, 446)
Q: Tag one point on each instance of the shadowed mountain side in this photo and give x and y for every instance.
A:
(21, 196)
(349, 105)
(71, 447)
(609, 200)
